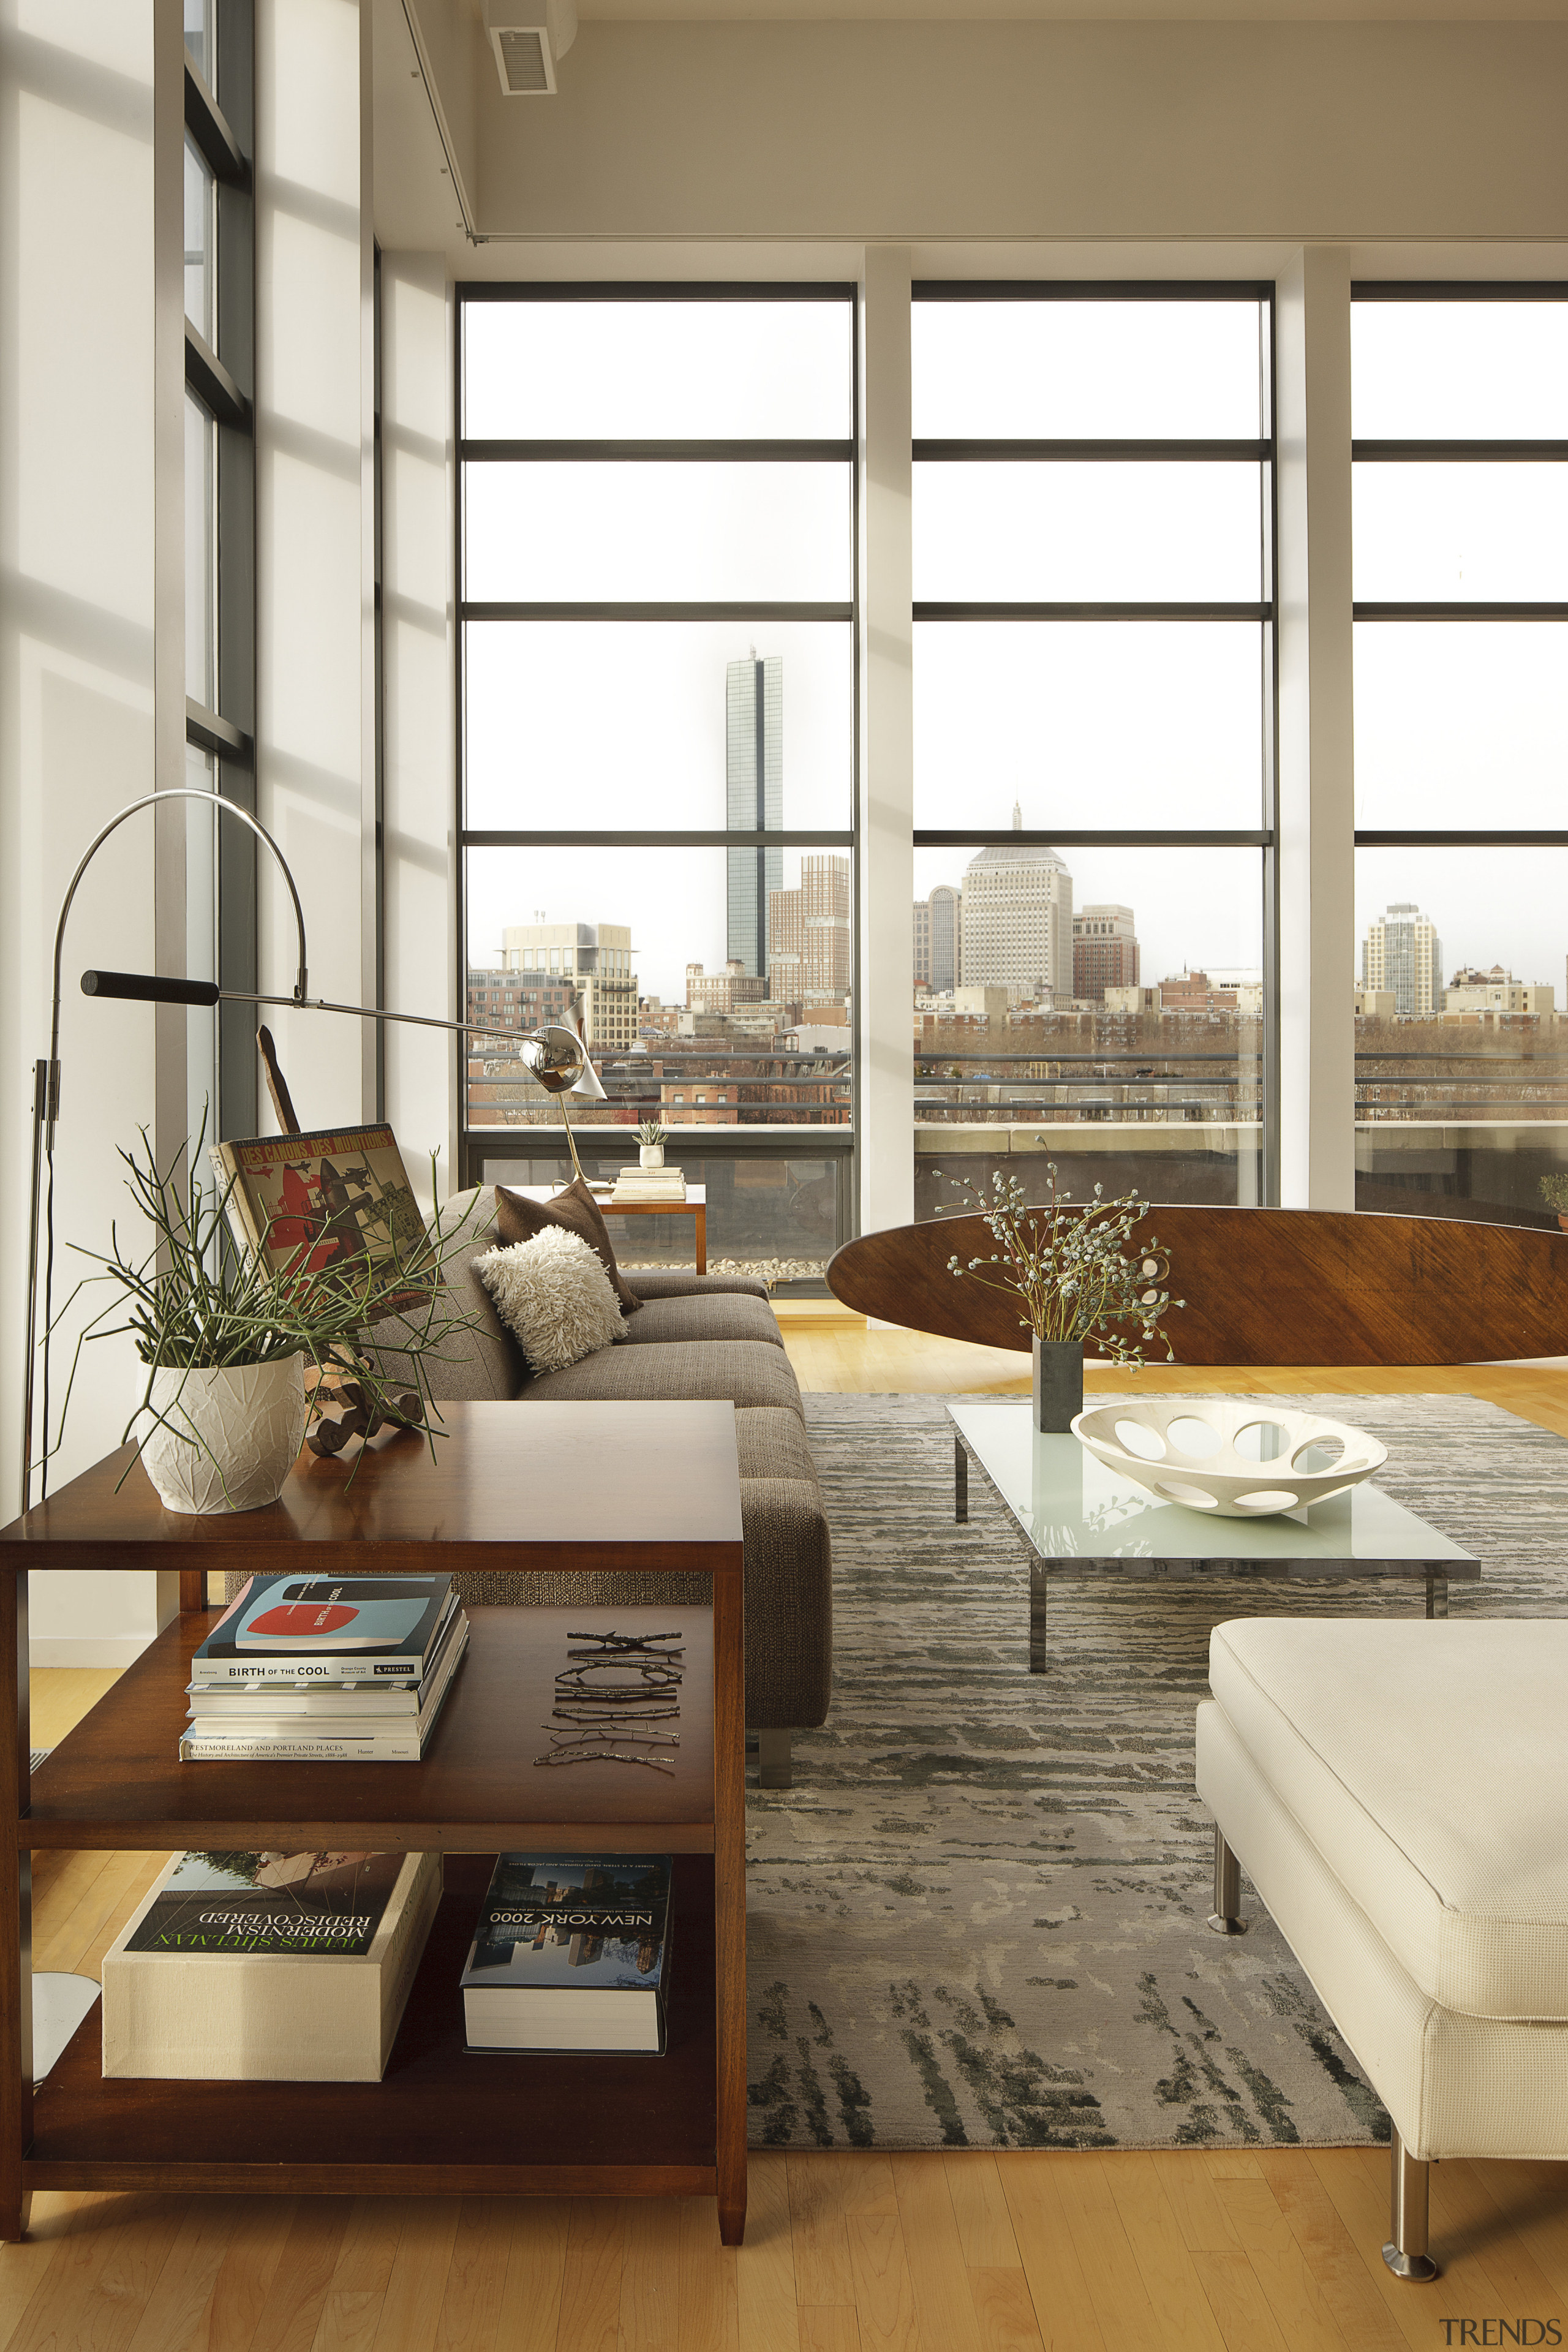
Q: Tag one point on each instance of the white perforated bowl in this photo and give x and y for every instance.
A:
(1240, 1457)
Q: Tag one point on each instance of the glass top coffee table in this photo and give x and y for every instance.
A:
(1080, 1519)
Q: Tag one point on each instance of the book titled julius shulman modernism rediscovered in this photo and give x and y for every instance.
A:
(269, 1967)
(327, 1628)
(571, 1953)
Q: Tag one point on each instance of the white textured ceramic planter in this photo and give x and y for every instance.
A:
(245, 1424)
(650, 1155)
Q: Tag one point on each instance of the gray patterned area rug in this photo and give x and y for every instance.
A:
(977, 1919)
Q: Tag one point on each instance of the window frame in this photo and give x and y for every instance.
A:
(836, 1144)
(1451, 449)
(1264, 837)
(222, 382)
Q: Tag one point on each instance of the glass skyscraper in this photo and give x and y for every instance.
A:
(753, 776)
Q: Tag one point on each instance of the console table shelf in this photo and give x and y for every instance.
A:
(443, 2120)
(117, 1780)
(514, 1488)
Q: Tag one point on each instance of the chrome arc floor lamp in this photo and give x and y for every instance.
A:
(556, 1059)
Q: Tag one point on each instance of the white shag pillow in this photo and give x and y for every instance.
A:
(554, 1293)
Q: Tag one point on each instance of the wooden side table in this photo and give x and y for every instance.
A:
(695, 1206)
(541, 1485)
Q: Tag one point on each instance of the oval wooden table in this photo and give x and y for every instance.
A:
(1265, 1286)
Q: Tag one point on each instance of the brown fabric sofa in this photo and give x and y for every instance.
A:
(695, 1336)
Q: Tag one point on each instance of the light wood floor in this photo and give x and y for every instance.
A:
(1189, 2251)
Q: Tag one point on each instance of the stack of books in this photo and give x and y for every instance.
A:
(318, 1669)
(649, 1185)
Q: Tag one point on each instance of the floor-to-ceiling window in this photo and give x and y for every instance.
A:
(1460, 405)
(657, 717)
(1094, 733)
(220, 557)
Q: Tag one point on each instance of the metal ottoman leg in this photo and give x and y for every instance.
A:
(1406, 2252)
(1224, 1918)
(773, 1768)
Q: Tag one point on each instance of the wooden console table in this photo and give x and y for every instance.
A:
(694, 1206)
(514, 1488)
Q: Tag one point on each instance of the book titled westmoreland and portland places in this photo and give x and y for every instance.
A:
(261, 1967)
(328, 1669)
(570, 1953)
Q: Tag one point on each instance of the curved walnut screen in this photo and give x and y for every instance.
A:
(1267, 1286)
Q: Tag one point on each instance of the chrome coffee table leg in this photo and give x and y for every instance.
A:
(960, 1480)
(1224, 1918)
(1406, 2252)
(1436, 1596)
(1039, 1581)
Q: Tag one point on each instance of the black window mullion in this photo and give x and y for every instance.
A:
(471, 610)
(208, 127)
(1142, 451)
(1084, 611)
(616, 453)
(213, 384)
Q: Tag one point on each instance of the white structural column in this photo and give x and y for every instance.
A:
(80, 725)
(887, 1104)
(418, 830)
(1317, 798)
(315, 707)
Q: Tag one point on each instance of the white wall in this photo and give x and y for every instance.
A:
(910, 132)
(315, 706)
(1317, 734)
(78, 719)
(886, 1110)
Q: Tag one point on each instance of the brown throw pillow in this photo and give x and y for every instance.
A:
(519, 1219)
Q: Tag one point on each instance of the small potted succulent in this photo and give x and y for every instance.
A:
(1071, 1270)
(1554, 1192)
(650, 1143)
(240, 1351)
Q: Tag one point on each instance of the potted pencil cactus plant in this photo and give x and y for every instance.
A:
(651, 1139)
(1078, 1272)
(237, 1348)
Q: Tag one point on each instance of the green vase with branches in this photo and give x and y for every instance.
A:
(1079, 1271)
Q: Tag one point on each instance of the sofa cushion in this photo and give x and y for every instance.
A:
(650, 1283)
(718, 1316)
(519, 1219)
(480, 1362)
(745, 1371)
(1428, 1765)
(555, 1294)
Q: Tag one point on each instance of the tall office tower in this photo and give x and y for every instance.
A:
(1016, 913)
(946, 905)
(753, 802)
(808, 935)
(939, 937)
(1403, 954)
(1104, 952)
(594, 961)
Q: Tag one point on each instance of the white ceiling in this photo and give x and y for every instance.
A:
(802, 12)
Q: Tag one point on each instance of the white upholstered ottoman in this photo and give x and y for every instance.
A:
(1397, 1792)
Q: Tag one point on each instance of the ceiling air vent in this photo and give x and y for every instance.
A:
(528, 38)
